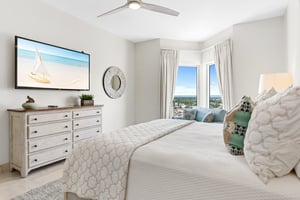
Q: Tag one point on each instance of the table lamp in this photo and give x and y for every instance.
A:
(279, 81)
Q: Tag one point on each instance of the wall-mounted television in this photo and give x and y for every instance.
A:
(45, 66)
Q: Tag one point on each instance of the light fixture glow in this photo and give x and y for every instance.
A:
(279, 81)
(134, 5)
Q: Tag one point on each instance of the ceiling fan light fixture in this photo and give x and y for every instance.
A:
(137, 4)
(134, 5)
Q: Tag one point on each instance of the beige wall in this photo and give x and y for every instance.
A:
(147, 71)
(258, 47)
(292, 20)
(179, 45)
(35, 20)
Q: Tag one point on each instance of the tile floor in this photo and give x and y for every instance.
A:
(12, 185)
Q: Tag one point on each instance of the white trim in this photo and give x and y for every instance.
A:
(208, 81)
(198, 85)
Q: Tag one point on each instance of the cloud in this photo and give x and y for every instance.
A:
(214, 90)
(183, 90)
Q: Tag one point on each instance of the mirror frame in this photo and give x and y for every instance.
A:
(107, 77)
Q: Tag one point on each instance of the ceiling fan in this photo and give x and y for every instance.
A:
(137, 4)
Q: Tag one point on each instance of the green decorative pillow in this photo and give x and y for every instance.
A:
(189, 114)
(236, 124)
(208, 117)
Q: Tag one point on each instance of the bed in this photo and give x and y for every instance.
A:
(192, 163)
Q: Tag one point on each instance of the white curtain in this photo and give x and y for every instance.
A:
(169, 65)
(223, 61)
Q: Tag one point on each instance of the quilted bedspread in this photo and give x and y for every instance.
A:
(98, 168)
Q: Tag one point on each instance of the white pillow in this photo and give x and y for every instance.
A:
(265, 95)
(272, 142)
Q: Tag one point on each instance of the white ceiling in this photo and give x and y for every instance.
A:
(198, 19)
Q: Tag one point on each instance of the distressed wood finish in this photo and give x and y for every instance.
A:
(45, 135)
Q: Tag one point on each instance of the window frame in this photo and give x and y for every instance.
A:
(208, 75)
(197, 78)
(202, 82)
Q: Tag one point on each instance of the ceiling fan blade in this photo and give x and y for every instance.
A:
(114, 10)
(160, 9)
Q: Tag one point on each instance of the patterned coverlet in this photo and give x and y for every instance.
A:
(98, 168)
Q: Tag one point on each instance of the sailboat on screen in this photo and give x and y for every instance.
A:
(39, 73)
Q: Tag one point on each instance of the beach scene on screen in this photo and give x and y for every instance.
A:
(46, 66)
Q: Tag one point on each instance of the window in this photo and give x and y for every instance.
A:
(196, 86)
(215, 100)
(186, 89)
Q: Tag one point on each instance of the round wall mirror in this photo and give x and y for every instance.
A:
(114, 82)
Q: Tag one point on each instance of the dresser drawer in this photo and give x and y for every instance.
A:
(48, 142)
(85, 134)
(47, 156)
(47, 129)
(83, 123)
(85, 113)
(33, 119)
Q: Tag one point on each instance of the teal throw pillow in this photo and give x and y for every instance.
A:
(236, 124)
(201, 112)
(219, 115)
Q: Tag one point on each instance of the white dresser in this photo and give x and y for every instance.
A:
(45, 135)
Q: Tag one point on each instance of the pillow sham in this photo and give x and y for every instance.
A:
(208, 117)
(189, 114)
(235, 126)
(201, 112)
(272, 142)
(219, 115)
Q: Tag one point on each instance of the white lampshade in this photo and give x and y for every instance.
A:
(279, 81)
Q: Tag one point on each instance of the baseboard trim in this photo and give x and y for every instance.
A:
(4, 168)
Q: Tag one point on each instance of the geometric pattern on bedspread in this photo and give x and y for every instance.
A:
(98, 168)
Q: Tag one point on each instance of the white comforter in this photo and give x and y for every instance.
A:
(193, 164)
(98, 168)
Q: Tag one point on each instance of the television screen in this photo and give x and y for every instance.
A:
(44, 66)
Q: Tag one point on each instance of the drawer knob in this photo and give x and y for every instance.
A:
(98, 121)
(77, 114)
(66, 126)
(98, 112)
(77, 136)
(66, 151)
(35, 119)
(35, 160)
(98, 131)
(35, 146)
(66, 115)
(76, 124)
(35, 131)
(66, 138)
